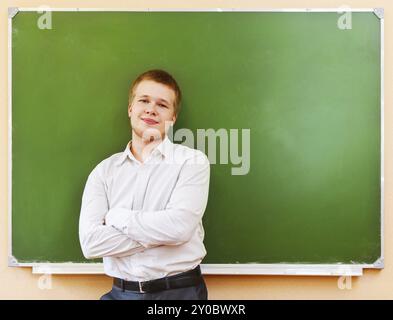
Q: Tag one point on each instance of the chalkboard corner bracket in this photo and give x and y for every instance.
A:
(12, 262)
(379, 12)
(379, 263)
(12, 12)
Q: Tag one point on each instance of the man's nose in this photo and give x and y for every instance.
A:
(151, 108)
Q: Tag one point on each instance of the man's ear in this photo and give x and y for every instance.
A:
(174, 118)
(129, 110)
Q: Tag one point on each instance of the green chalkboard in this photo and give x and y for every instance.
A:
(309, 92)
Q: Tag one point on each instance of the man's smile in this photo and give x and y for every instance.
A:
(149, 121)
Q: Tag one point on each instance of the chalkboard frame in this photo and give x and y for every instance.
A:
(228, 269)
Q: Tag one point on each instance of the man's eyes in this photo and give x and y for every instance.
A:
(146, 101)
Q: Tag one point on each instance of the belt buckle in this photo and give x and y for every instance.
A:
(141, 287)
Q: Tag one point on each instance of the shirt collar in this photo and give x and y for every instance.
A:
(165, 148)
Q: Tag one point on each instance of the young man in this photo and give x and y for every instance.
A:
(142, 208)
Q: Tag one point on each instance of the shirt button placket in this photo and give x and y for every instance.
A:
(142, 175)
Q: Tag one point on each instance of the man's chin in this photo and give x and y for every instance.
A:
(152, 134)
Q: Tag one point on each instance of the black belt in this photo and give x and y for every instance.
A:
(181, 280)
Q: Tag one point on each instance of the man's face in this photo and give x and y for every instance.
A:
(151, 108)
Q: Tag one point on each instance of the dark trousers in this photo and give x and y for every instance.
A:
(197, 292)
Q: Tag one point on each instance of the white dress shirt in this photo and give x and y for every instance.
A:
(145, 219)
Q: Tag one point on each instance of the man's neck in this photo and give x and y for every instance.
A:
(141, 149)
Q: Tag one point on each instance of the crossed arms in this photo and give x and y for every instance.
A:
(120, 232)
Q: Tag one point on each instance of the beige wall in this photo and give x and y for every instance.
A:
(20, 283)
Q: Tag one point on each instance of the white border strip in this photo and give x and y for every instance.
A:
(221, 269)
(382, 25)
(11, 260)
(265, 269)
(322, 10)
(68, 268)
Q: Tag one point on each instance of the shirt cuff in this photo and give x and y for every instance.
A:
(121, 219)
(118, 218)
